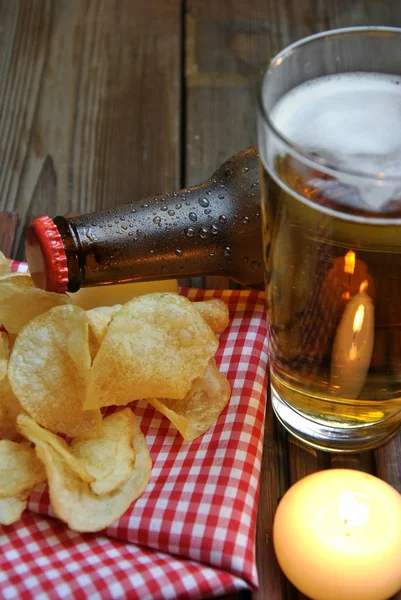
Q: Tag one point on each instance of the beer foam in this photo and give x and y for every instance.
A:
(351, 120)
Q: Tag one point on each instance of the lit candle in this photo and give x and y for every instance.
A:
(353, 345)
(337, 536)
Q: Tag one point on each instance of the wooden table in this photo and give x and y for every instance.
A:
(107, 101)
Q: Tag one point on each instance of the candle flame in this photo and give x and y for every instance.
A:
(364, 286)
(352, 513)
(349, 262)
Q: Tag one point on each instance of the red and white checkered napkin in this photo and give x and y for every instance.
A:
(192, 532)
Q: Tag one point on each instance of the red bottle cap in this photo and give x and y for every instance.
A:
(46, 256)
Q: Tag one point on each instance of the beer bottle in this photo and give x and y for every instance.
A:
(210, 229)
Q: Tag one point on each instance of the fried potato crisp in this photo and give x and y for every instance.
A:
(19, 303)
(20, 469)
(215, 312)
(4, 354)
(38, 435)
(194, 414)
(4, 264)
(10, 408)
(74, 502)
(11, 509)
(99, 318)
(22, 279)
(109, 460)
(155, 346)
(49, 371)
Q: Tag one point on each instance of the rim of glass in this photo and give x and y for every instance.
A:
(297, 151)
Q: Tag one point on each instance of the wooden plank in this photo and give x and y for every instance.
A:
(388, 462)
(90, 109)
(8, 227)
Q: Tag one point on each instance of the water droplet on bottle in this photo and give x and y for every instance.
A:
(223, 219)
(164, 207)
(94, 224)
(116, 222)
(255, 264)
(139, 232)
(211, 254)
(255, 184)
(214, 229)
(190, 231)
(151, 251)
(124, 227)
(227, 250)
(110, 224)
(171, 213)
(245, 219)
(203, 202)
(208, 192)
(175, 194)
(207, 211)
(221, 196)
(145, 206)
(131, 225)
(178, 252)
(257, 215)
(246, 259)
(178, 206)
(122, 218)
(193, 216)
(133, 210)
(187, 203)
(203, 232)
(101, 226)
(244, 169)
(156, 220)
(228, 172)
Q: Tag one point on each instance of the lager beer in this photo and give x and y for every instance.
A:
(331, 227)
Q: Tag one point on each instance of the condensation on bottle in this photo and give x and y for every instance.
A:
(210, 229)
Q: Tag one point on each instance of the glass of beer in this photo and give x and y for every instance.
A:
(329, 135)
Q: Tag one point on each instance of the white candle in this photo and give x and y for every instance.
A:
(337, 536)
(353, 345)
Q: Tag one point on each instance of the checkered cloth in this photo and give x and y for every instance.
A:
(192, 532)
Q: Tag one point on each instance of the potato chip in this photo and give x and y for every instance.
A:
(20, 469)
(194, 414)
(19, 304)
(21, 279)
(110, 460)
(10, 408)
(49, 370)
(99, 318)
(38, 435)
(155, 346)
(215, 312)
(74, 502)
(4, 355)
(11, 509)
(4, 264)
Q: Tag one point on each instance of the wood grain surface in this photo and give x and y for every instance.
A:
(107, 101)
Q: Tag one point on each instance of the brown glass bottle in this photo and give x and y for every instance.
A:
(210, 229)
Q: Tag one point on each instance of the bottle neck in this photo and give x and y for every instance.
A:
(210, 229)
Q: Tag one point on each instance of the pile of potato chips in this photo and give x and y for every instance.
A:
(60, 365)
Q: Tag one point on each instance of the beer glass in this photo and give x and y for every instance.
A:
(329, 135)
